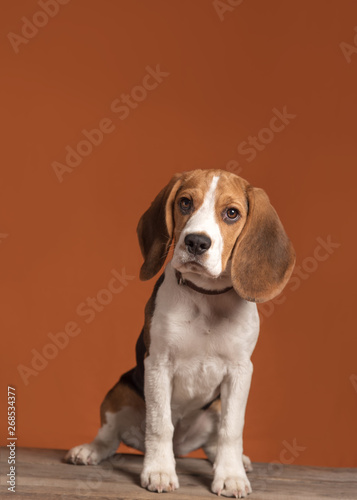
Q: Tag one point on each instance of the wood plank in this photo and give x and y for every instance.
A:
(41, 474)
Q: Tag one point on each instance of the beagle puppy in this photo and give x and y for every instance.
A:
(190, 385)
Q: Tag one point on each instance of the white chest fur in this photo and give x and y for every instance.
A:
(198, 337)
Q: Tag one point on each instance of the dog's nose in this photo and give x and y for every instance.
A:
(197, 244)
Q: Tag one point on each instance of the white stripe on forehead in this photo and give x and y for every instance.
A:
(209, 199)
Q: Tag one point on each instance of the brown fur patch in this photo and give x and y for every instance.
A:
(155, 230)
(216, 406)
(263, 258)
(118, 397)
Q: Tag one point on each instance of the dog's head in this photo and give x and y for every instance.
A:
(219, 224)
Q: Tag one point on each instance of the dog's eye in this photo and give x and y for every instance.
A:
(231, 215)
(185, 205)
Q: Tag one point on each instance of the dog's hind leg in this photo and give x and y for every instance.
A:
(122, 419)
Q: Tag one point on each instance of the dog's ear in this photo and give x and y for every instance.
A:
(155, 229)
(263, 257)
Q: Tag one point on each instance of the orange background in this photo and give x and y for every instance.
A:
(63, 239)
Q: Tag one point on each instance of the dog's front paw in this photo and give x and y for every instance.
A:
(85, 454)
(159, 479)
(237, 486)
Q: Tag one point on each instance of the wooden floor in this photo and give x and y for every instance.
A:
(41, 474)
